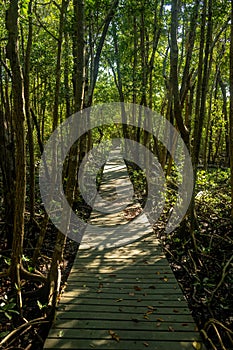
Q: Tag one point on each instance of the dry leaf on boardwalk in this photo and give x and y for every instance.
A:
(114, 335)
(137, 288)
(196, 345)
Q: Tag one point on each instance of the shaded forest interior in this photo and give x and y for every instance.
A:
(62, 57)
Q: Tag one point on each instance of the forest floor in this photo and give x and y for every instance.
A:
(205, 273)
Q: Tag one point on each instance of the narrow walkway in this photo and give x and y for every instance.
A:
(121, 292)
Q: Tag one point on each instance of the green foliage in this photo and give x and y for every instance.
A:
(212, 178)
(8, 307)
(41, 306)
(213, 192)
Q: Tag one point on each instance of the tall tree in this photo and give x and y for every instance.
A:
(26, 75)
(174, 82)
(12, 53)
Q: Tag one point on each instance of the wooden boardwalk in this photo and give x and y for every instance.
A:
(122, 294)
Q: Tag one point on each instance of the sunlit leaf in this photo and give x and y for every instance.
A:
(196, 345)
(114, 335)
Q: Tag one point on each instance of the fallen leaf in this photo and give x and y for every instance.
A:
(137, 288)
(118, 300)
(150, 307)
(160, 320)
(146, 317)
(146, 344)
(171, 329)
(114, 335)
(174, 310)
(158, 324)
(60, 334)
(131, 294)
(196, 345)
(149, 312)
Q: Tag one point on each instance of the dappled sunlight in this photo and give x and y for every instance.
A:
(121, 292)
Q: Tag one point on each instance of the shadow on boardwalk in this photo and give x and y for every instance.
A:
(123, 298)
(122, 294)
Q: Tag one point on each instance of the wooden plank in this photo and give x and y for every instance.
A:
(112, 266)
(114, 276)
(141, 310)
(135, 283)
(151, 271)
(125, 287)
(136, 324)
(89, 315)
(140, 253)
(120, 264)
(128, 334)
(115, 296)
(124, 302)
(77, 292)
(74, 344)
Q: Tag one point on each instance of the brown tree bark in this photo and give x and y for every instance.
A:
(12, 17)
(28, 114)
(203, 79)
(7, 161)
(185, 85)
(54, 277)
(63, 9)
(174, 83)
(225, 114)
(78, 54)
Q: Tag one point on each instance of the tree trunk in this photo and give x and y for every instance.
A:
(58, 64)
(174, 84)
(78, 54)
(202, 83)
(225, 114)
(190, 45)
(18, 119)
(28, 115)
(54, 277)
(7, 161)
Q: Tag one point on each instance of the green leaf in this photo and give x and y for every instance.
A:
(8, 315)
(4, 334)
